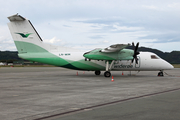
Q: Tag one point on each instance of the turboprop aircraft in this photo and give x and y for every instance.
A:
(31, 47)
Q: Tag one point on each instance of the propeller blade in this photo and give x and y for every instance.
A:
(132, 60)
(136, 60)
(135, 52)
(133, 44)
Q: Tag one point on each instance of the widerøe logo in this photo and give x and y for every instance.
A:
(123, 66)
(24, 35)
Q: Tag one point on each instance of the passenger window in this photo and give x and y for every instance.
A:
(154, 57)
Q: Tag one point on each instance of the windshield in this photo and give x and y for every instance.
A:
(154, 57)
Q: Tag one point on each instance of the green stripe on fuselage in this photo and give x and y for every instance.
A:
(36, 53)
(25, 47)
(49, 58)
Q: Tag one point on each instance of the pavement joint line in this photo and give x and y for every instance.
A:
(105, 104)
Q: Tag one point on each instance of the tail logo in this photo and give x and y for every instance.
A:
(24, 35)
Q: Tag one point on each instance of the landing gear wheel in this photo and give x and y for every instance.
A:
(107, 74)
(97, 72)
(160, 74)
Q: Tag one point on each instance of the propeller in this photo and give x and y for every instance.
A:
(135, 52)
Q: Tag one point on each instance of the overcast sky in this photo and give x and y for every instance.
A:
(89, 24)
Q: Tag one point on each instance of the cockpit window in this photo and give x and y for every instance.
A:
(154, 57)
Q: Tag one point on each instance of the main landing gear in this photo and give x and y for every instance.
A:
(107, 73)
(160, 73)
(97, 72)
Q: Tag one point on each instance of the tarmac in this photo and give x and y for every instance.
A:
(28, 93)
(165, 106)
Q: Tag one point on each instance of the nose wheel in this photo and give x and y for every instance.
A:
(160, 74)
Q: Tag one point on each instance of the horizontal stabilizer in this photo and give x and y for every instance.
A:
(16, 18)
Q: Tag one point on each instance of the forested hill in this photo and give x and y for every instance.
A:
(172, 57)
(9, 56)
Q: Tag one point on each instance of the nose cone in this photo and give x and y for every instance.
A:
(167, 65)
(170, 66)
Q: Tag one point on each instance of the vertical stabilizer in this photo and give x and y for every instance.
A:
(25, 36)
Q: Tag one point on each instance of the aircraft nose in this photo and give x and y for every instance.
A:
(165, 65)
(170, 66)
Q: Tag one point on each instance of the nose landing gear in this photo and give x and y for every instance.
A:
(160, 74)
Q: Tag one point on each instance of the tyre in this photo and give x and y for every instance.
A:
(107, 74)
(97, 72)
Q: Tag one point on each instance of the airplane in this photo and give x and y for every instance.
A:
(116, 57)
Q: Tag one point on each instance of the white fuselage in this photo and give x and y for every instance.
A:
(147, 61)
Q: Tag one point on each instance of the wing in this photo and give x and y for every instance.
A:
(113, 52)
(114, 48)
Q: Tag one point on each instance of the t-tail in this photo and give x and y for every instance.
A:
(31, 47)
(25, 36)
